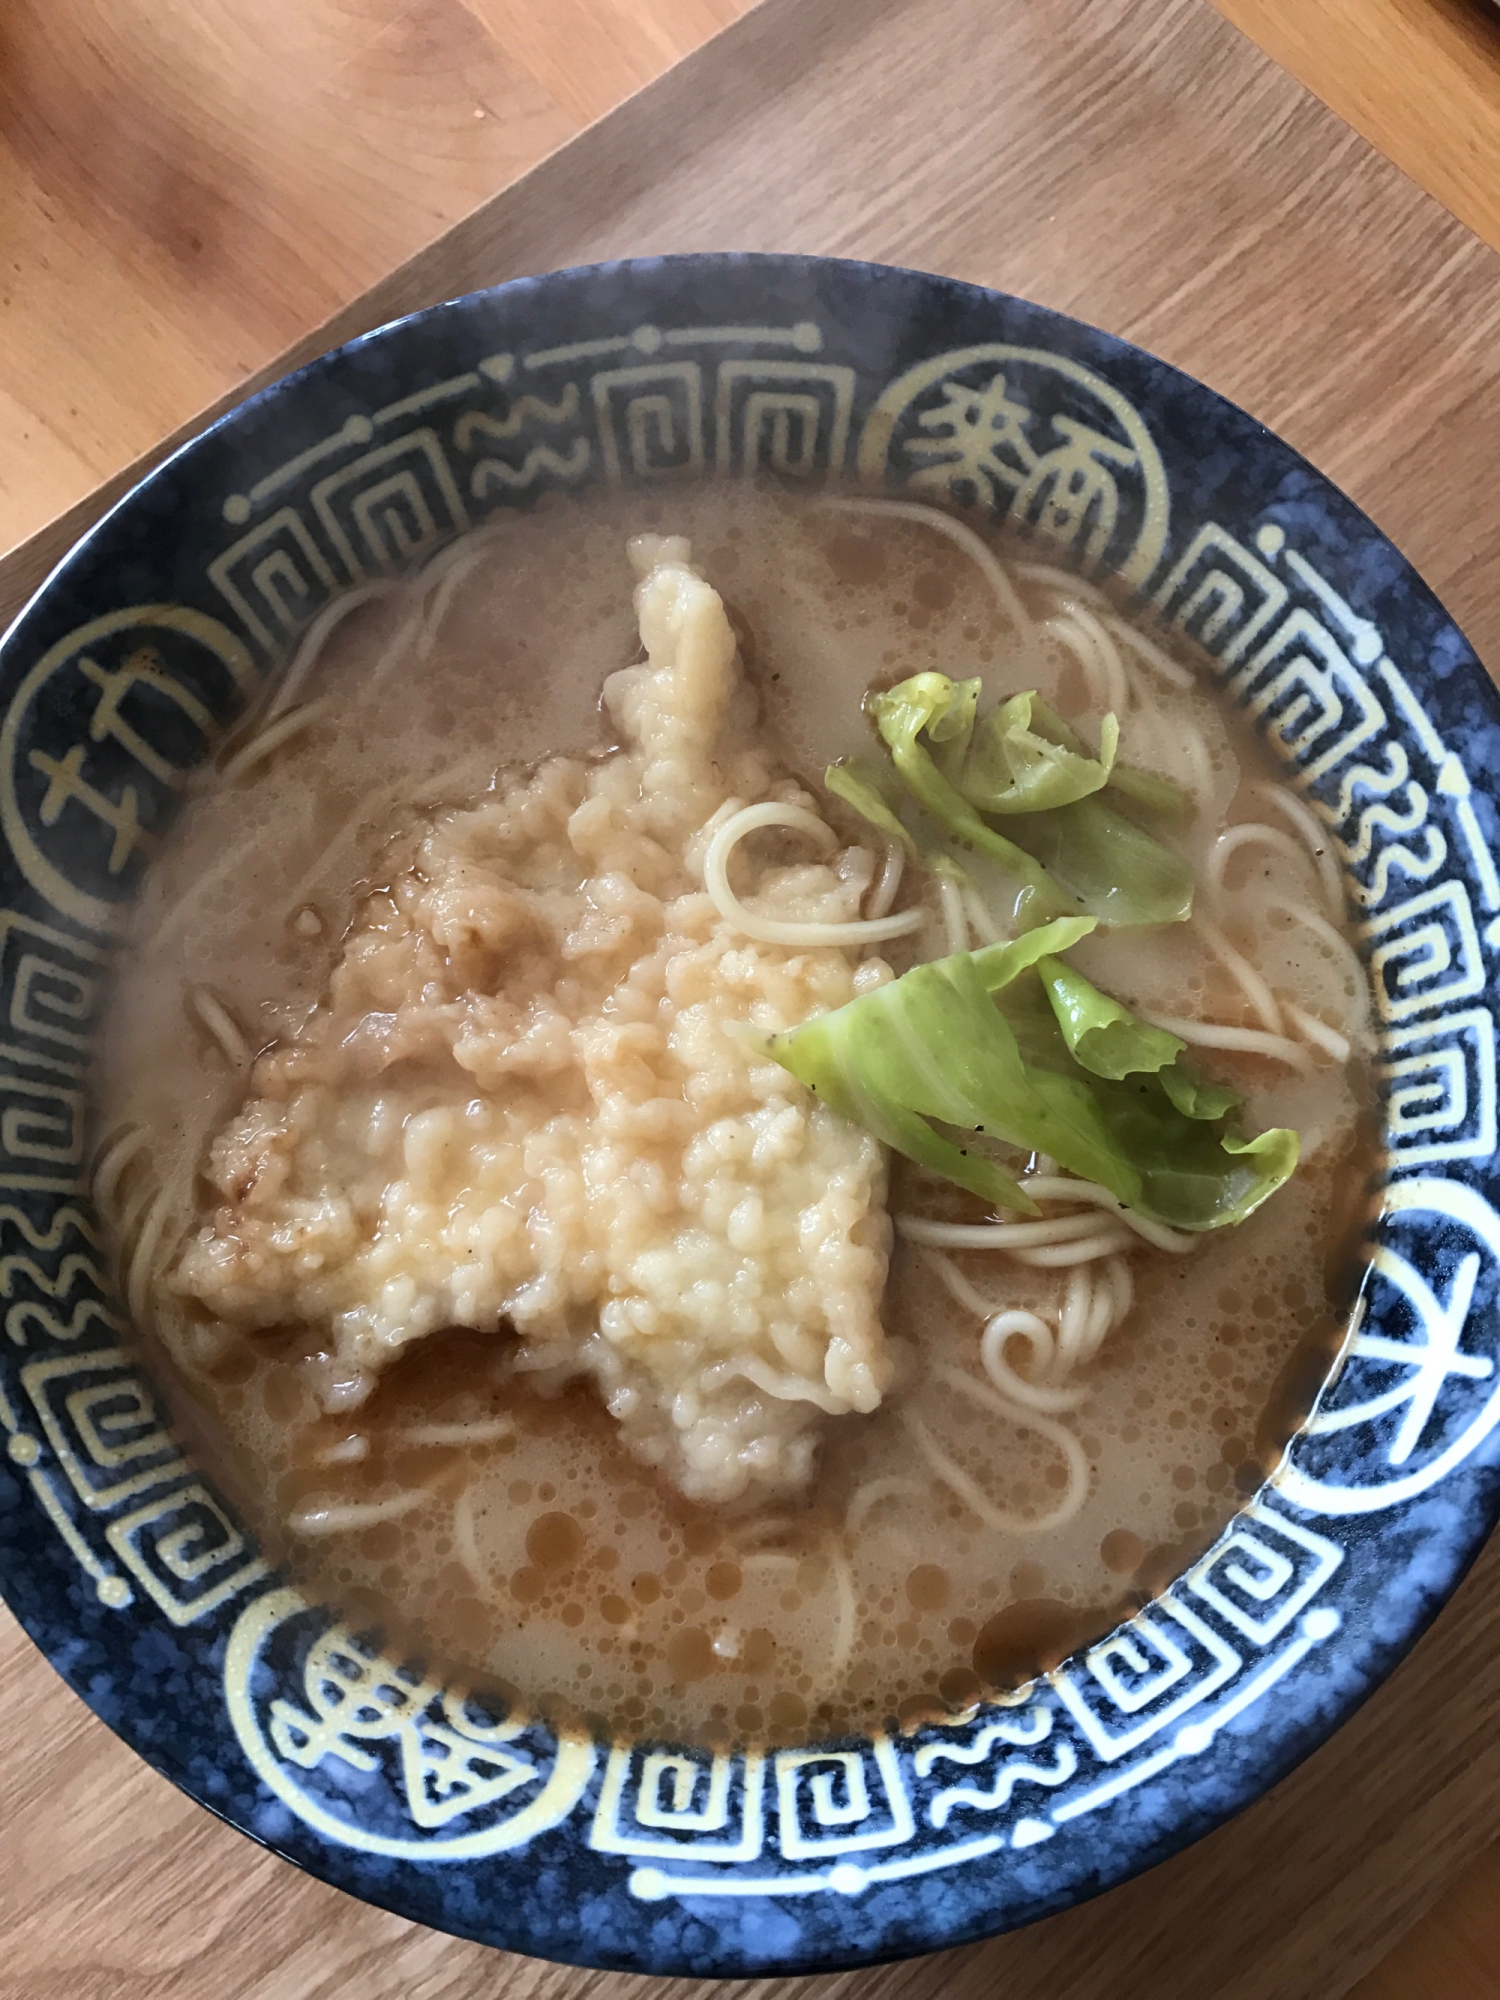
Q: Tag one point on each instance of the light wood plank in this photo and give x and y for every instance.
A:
(1420, 79)
(1140, 167)
(588, 54)
(187, 186)
(1453, 1952)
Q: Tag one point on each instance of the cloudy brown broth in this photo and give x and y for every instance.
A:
(540, 1552)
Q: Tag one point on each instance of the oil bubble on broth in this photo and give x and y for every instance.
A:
(517, 1523)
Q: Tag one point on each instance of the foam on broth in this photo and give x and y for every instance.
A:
(544, 1556)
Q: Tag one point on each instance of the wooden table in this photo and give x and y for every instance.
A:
(189, 186)
(188, 189)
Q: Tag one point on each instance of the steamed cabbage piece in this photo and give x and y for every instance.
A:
(931, 704)
(862, 789)
(1008, 1044)
(1068, 849)
(1024, 758)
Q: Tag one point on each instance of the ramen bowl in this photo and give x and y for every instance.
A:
(130, 1570)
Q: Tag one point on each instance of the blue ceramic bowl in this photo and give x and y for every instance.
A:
(140, 651)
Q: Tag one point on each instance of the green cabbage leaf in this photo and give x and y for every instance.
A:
(1004, 1045)
(1101, 1034)
(861, 789)
(1024, 758)
(917, 707)
(1104, 863)
(1067, 848)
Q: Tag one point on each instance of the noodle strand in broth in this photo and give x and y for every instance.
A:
(386, 919)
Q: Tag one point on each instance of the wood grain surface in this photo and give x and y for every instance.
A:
(1135, 162)
(187, 186)
(1420, 79)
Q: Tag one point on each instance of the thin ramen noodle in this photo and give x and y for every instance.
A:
(459, 1161)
